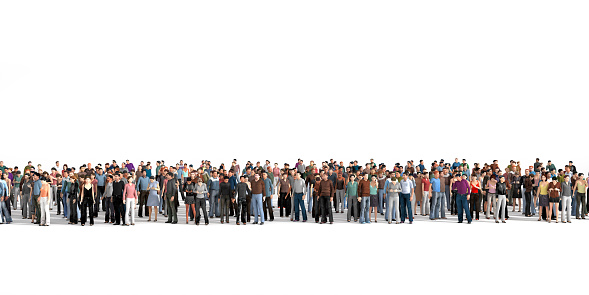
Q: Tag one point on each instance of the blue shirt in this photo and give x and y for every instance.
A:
(101, 179)
(213, 184)
(269, 186)
(406, 186)
(148, 173)
(435, 184)
(142, 183)
(37, 188)
(3, 188)
(233, 182)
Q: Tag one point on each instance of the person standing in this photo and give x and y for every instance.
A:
(407, 195)
(242, 190)
(87, 201)
(268, 211)
(153, 199)
(528, 183)
(393, 188)
(554, 190)
(143, 192)
(35, 197)
(213, 187)
(437, 198)
(225, 196)
(581, 189)
(462, 198)
(566, 197)
(170, 192)
(491, 188)
(475, 197)
(258, 188)
(352, 195)
(425, 200)
(4, 193)
(298, 190)
(373, 198)
(73, 193)
(200, 201)
(118, 188)
(364, 197)
(340, 186)
(542, 195)
(500, 208)
(284, 190)
(326, 193)
(27, 188)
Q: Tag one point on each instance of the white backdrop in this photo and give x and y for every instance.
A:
(87, 81)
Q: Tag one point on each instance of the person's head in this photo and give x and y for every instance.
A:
(256, 176)
(264, 175)
(298, 175)
(352, 177)
(225, 180)
(109, 178)
(566, 178)
(554, 179)
(502, 178)
(543, 177)
(324, 177)
(87, 181)
(463, 176)
(143, 173)
(405, 176)
(151, 178)
(373, 178)
(131, 179)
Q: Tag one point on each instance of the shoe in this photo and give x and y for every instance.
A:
(174, 222)
(390, 222)
(503, 221)
(197, 223)
(331, 222)
(237, 223)
(410, 222)
(469, 222)
(168, 221)
(116, 223)
(255, 222)
(261, 223)
(362, 222)
(304, 220)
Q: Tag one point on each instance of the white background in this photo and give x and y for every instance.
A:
(88, 81)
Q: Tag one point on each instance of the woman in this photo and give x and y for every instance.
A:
(393, 190)
(163, 180)
(201, 191)
(153, 200)
(73, 190)
(542, 195)
(87, 201)
(130, 201)
(501, 200)
(373, 198)
(189, 201)
(491, 188)
(475, 196)
(516, 193)
(554, 189)
(94, 183)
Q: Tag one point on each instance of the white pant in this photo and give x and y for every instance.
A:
(500, 205)
(130, 209)
(425, 200)
(44, 205)
(566, 207)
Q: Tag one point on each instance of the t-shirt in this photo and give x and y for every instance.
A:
(426, 184)
(406, 186)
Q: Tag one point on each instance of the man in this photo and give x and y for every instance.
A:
(101, 182)
(36, 192)
(364, 198)
(299, 191)
(16, 189)
(242, 189)
(340, 188)
(407, 194)
(108, 207)
(44, 199)
(580, 189)
(326, 192)
(528, 183)
(455, 165)
(437, 198)
(143, 192)
(462, 198)
(382, 181)
(284, 190)
(129, 166)
(213, 185)
(170, 191)
(4, 212)
(258, 187)
(268, 211)
(225, 198)
(118, 187)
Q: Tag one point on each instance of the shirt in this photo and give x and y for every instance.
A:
(406, 186)
(142, 183)
(37, 188)
(130, 192)
(299, 186)
(462, 187)
(101, 179)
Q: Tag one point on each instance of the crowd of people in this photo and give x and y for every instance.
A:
(362, 192)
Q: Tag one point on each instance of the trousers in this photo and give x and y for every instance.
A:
(87, 207)
(338, 201)
(392, 206)
(200, 204)
(44, 207)
(130, 210)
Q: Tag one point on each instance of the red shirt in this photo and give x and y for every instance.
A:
(473, 189)
(426, 184)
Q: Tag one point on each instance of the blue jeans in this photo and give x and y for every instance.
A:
(298, 201)
(65, 204)
(258, 205)
(4, 212)
(380, 200)
(309, 198)
(447, 193)
(462, 203)
(404, 200)
(394, 213)
(435, 212)
(573, 205)
(365, 209)
(214, 203)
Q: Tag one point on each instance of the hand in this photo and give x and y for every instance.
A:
(359, 199)
(172, 199)
(467, 197)
(331, 199)
(123, 201)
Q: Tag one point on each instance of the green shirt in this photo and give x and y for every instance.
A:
(352, 189)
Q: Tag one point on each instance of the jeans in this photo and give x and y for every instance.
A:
(574, 204)
(527, 203)
(501, 204)
(365, 209)
(380, 200)
(109, 214)
(15, 195)
(447, 193)
(490, 202)
(325, 209)
(462, 205)
(225, 200)
(442, 200)
(581, 202)
(475, 204)
(310, 198)
(392, 207)
(353, 209)
(338, 201)
(406, 206)
(566, 207)
(299, 204)
(4, 214)
(434, 213)
(25, 206)
(258, 207)
(214, 203)
(267, 206)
